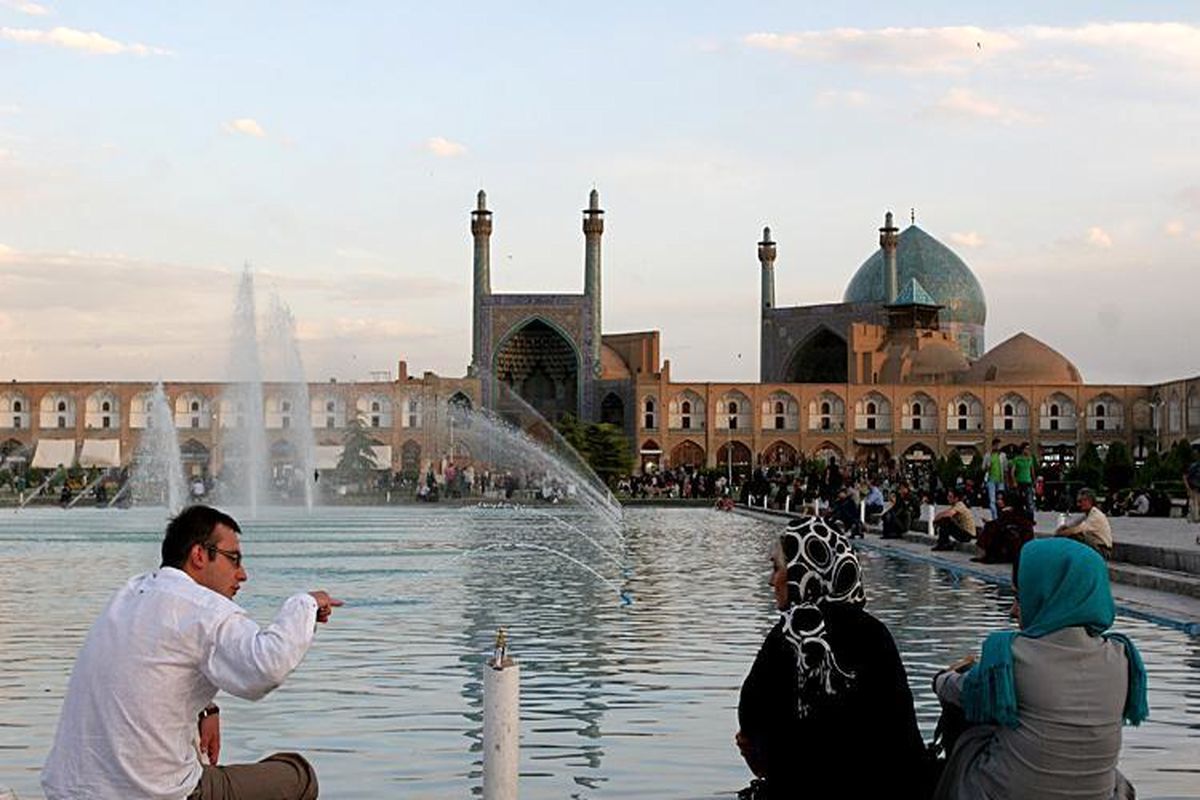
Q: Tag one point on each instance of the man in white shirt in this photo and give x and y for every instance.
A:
(142, 688)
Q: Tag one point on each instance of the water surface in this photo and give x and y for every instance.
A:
(618, 701)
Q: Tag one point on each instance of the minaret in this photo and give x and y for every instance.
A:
(766, 259)
(888, 241)
(481, 229)
(593, 227)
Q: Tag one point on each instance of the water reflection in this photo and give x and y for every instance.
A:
(618, 701)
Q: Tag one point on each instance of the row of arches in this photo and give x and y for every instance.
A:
(873, 412)
(1177, 407)
(103, 410)
(689, 453)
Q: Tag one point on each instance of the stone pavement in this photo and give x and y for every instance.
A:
(1146, 586)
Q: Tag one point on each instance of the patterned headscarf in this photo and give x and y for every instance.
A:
(821, 569)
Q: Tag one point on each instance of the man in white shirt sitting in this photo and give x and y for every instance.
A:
(143, 683)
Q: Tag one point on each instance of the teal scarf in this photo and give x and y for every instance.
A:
(1061, 583)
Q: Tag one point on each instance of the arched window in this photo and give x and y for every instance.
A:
(686, 411)
(1057, 413)
(649, 414)
(964, 413)
(733, 411)
(780, 412)
(873, 413)
(1011, 413)
(827, 412)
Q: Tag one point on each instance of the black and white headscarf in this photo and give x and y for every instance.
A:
(821, 569)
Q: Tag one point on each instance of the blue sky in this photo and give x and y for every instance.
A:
(148, 151)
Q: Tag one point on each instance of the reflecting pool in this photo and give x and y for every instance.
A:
(629, 701)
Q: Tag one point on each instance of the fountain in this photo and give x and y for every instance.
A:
(157, 477)
(283, 353)
(245, 441)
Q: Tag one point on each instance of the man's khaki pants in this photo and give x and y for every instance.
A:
(282, 776)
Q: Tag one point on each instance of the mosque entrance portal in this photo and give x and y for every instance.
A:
(821, 358)
(541, 366)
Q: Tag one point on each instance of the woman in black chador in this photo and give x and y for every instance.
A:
(826, 710)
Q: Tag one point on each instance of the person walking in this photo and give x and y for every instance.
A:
(1191, 479)
(141, 692)
(995, 474)
(1023, 473)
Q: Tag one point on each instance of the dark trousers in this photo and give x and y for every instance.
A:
(946, 529)
(282, 776)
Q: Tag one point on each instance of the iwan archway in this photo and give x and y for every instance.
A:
(539, 364)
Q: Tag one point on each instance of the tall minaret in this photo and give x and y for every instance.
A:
(481, 229)
(593, 227)
(888, 241)
(766, 258)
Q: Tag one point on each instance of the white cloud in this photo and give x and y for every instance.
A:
(444, 148)
(1174, 45)
(1173, 228)
(26, 7)
(245, 126)
(84, 41)
(851, 98)
(911, 49)
(1098, 237)
(963, 104)
(10, 108)
(1072, 51)
(968, 239)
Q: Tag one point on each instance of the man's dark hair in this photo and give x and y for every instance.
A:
(192, 526)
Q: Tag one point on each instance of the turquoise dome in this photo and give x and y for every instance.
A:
(937, 268)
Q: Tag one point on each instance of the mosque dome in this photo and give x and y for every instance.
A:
(936, 360)
(936, 267)
(1022, 359)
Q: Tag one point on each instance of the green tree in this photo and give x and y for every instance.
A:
(1090, 469)
(1149, 470)
(608, 452)
(950, 467)
(1118, 467)
(357, 460)
(603, 446)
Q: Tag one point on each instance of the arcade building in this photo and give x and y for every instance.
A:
(899, 368)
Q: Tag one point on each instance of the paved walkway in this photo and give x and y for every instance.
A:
(1165, 597)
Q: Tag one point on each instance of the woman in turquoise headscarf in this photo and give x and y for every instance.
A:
(1046, 704)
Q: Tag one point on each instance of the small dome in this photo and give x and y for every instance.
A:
(1022, 359)
(612, 366)
(937, 359)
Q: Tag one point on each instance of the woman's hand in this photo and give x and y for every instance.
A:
(963, 664)
(750, 755)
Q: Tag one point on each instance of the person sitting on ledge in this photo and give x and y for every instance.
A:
(827, 689)
(956, 522)
(1041, 713)
(1091, 528)
(141, 692)
(898, 519)
(1001, 539)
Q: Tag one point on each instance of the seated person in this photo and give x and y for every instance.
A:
(1044, 706)
(828, 688)
(874, 500)
(905, 510)
(1140, 506)
(1091, 528)
(844, 512)
(1001, 539)
(956, 522)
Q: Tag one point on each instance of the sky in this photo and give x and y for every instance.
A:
(148, 151)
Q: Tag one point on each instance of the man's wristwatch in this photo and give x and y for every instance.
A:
(209, 710)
